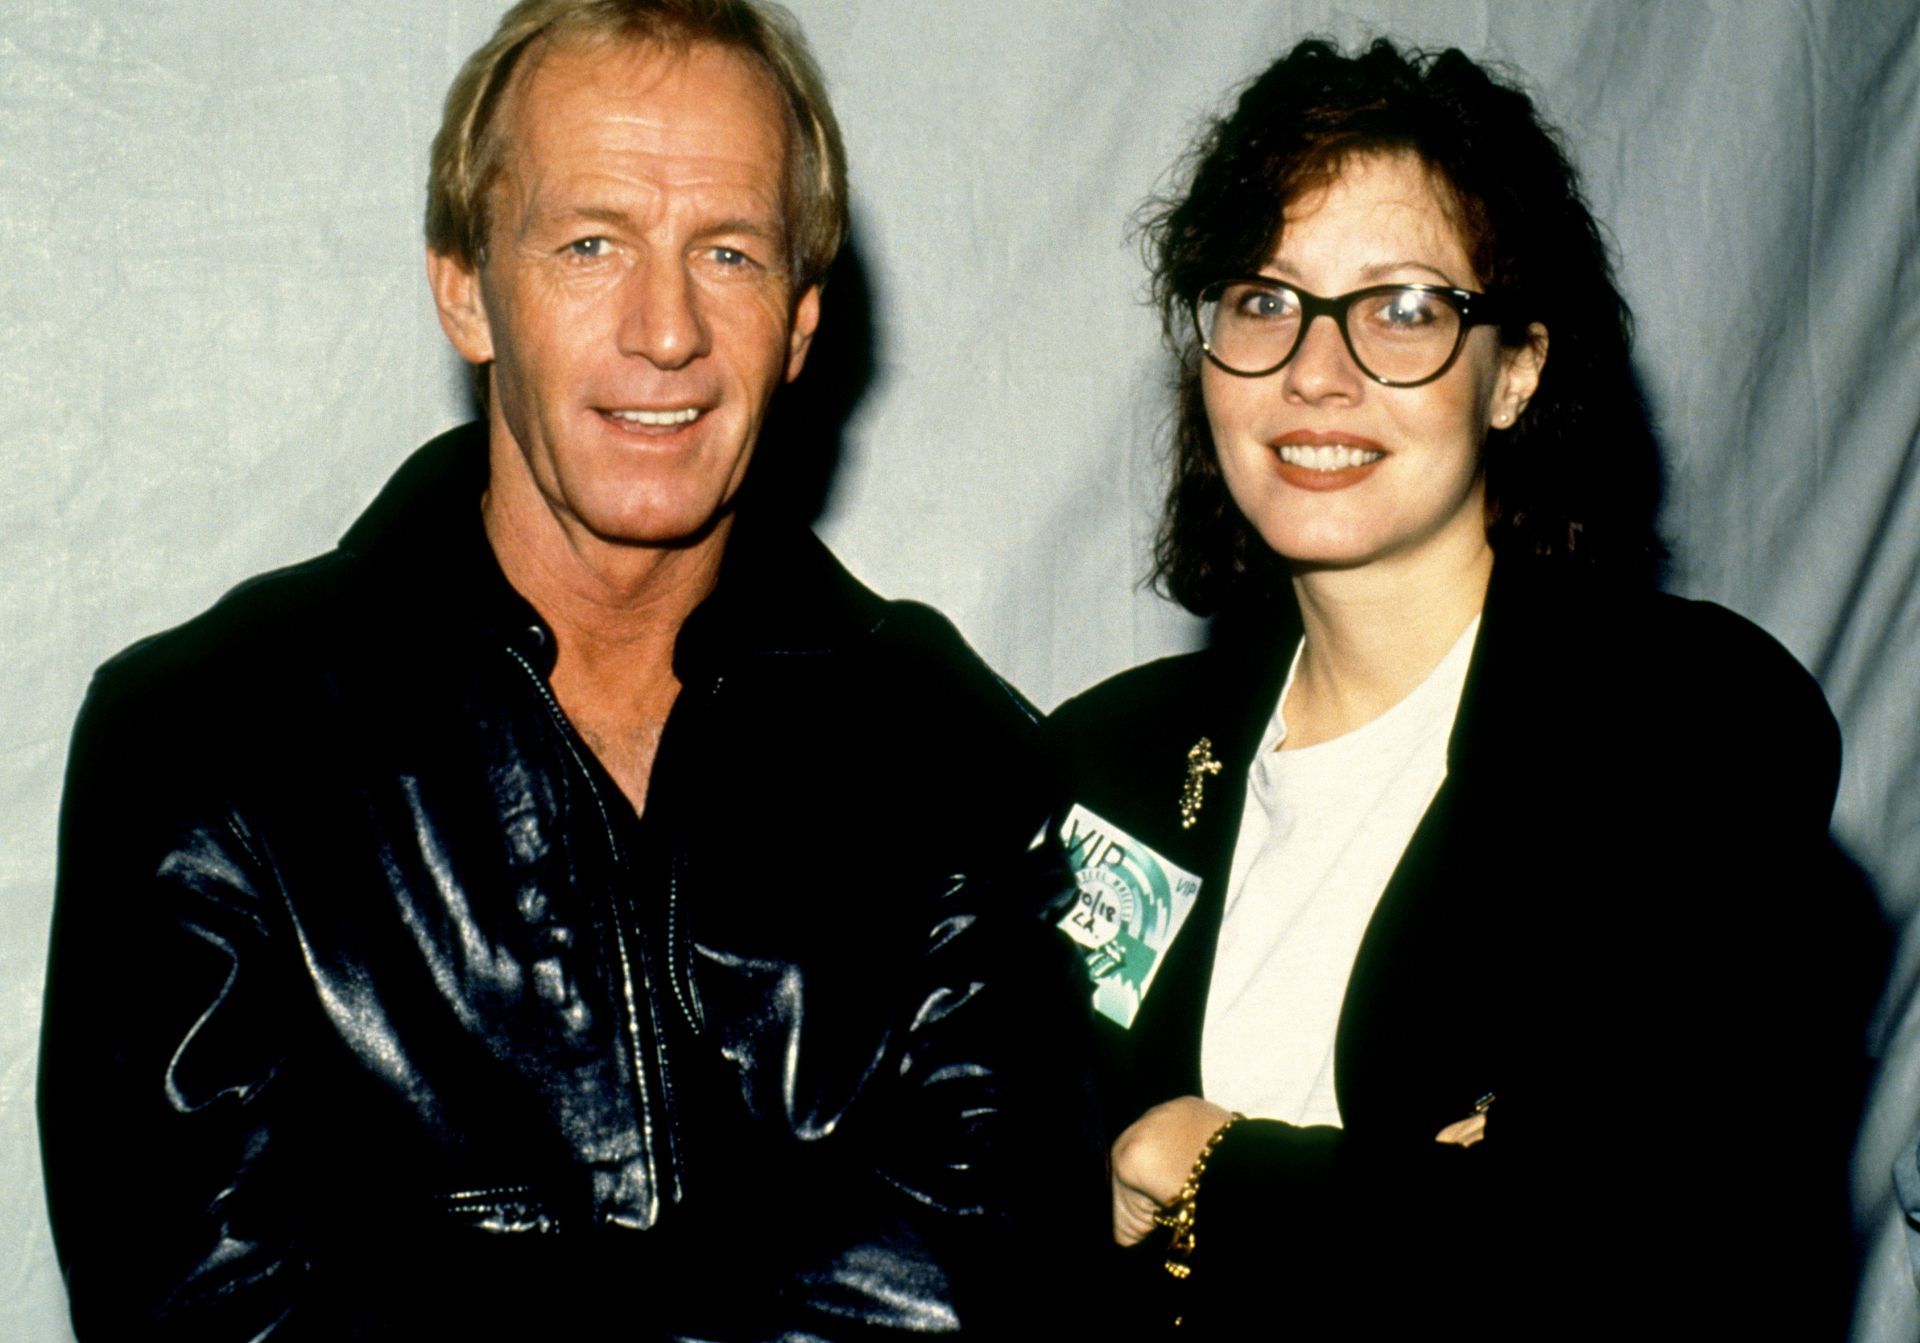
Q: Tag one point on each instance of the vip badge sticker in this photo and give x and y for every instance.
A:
(1131, 906)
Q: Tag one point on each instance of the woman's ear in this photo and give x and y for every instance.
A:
(1520, 378)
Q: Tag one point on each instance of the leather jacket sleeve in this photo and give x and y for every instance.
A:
(947, 1157)
(1007, 1138)
(163, 1072)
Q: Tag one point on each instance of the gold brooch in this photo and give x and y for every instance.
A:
(1200, 763)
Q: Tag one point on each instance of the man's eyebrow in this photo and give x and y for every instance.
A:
(593, 214)
(738, 225)
(751, 228)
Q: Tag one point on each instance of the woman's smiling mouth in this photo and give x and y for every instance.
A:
(1311, 461)
(1327, 457)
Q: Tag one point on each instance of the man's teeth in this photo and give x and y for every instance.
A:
(685, 415)
(1327, 457)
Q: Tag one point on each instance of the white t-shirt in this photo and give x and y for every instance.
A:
(1322, 831)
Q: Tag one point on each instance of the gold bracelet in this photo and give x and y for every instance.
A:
(1178, 1216)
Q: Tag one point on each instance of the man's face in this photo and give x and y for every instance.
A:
(635, 298)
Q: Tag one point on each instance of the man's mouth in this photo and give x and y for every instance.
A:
(656, 419)
(1327, 456)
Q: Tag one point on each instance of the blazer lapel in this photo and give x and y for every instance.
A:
(1413, 1049)
(1229, 703)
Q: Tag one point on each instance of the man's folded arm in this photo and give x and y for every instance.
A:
(997, 1126)
(164, 1046)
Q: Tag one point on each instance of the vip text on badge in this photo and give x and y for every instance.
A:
(1131, 906)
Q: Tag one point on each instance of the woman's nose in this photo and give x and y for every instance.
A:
(1322, 366)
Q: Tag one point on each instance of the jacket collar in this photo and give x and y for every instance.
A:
(1536, 665)
(1251, 647)
(780, 591)
(1526, 661)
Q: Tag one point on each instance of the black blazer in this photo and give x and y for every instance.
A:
(1619, 917)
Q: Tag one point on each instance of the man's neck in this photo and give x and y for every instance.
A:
(615, 611)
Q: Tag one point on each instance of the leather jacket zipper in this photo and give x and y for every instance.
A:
(679, 958)
(642, 1058)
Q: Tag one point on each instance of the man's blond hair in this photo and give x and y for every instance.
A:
(468, 151)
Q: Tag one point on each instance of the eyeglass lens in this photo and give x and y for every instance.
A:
(1396, 334)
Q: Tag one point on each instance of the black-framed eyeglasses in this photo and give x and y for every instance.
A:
(1400, 335)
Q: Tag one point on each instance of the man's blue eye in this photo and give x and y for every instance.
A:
(588, 247)
(731, 256)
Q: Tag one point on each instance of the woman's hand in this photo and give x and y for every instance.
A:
(1463, 1132)
(1152, 1158)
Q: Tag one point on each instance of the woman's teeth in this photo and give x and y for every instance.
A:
(1326, 457)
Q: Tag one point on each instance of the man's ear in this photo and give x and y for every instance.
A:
(463, 316)
(806, 316)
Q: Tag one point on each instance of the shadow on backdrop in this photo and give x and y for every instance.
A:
(804, 434)
(1852, 984)
(1849, 954)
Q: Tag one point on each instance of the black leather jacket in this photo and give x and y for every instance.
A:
(374, 1009)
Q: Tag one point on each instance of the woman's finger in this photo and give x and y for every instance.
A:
(1132, 1214)
(1463, 1132)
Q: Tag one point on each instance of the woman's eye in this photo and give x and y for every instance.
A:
(1407, 310)
(1262, 305)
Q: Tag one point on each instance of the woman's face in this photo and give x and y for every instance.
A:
(1330, 467)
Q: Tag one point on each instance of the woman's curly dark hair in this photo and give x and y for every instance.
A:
(1577, 478)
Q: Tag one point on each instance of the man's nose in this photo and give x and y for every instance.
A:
(1322, 366)
(661, 320)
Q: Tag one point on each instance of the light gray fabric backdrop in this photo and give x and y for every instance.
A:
(215, 343)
